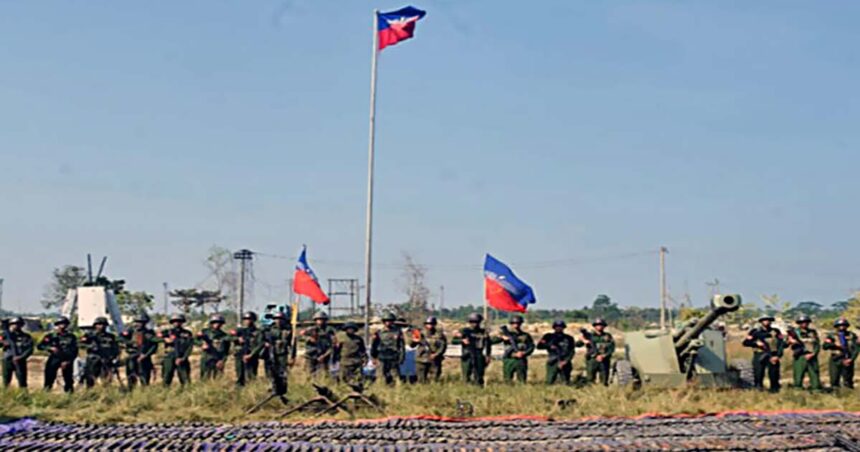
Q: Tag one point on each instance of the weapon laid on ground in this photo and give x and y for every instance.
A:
(325, 396)
(11, 346)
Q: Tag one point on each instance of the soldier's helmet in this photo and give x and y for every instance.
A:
(803, 319)
(350, 326)
(142, 318)
(177, 318)
(516, 320)
(598, 321)
(559, 324)
(100, 321)
(766, 317)
(62, 321)
(320, 316)
(475, 318)
(389, 317)
(431, 320)
(841, 322)
(17, 321)
(279, 315)
(216, 318)
(250, 316)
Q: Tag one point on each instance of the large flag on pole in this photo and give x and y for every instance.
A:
(503, 290)
(305, 280)
(397, 25)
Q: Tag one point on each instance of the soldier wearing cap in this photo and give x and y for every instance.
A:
(389, 348)
(102, 352)
(17, 347)
(250, 342)
(560, 348)
(320, 341)
(805, 346)
(140, 344)
(476, 349)
(769, 345)
(351, 352)
(178, 345)
(599, 346)
(215, 346)
(278, 336)
(844, 347)
(519, 345)
(430, 347)
(62, 348)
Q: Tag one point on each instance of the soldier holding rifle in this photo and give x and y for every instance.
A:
(844, 348)
(431, 345)
(178, 345)
(769, 344)
(805, 345)
(250, 342)
(17, 347)
(215, 344)
(102, 353)
(560, 348)
(476, 350)
(140, 343)
(319, 345)
(62, 348)
(600, 345)
(519, 346)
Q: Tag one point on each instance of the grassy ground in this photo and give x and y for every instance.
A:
(220, 401)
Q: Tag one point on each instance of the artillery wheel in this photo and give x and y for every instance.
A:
(746, 375)
(624, 374)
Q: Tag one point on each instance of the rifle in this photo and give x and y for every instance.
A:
(91, 337)
(590, 348)
(210, 346)
(11, 346)
(294, 325)
(798, 347)
(513, 347)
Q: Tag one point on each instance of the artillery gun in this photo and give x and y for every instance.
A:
(696, 353)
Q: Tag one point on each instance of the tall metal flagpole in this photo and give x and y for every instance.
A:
(370, 147)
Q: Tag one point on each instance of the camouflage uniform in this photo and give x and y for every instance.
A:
(805, 341)
(431, 345)
(216, 348)
(279, 336)
(774, 346)
(517, 343)
(560, 349)
(24, 344)
(140, 343)
(389, 348)
(178, 345)
(351, 353)
(62, 350)
(603, 346)
(844, 348)
(102, 353)
(476, 350)
(319, 346)
(250, 341)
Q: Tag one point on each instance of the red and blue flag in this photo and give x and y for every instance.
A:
(305, 280)
(397, 25)
(503, 290)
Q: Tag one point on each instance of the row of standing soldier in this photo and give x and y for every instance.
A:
(274, 345)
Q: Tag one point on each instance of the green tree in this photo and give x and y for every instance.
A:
(131, 303)
(62, 279)
(604, 307)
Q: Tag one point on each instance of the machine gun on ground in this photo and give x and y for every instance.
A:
(693, 353)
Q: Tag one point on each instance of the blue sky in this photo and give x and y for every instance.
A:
(575, 134)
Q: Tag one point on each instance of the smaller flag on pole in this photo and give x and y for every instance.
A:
(397, 25)
(503, 290)
(305, 280)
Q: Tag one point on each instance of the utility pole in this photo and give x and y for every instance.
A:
(441, 299)
(166, 296)
(1, 294)
(663, 251)
(242, 256)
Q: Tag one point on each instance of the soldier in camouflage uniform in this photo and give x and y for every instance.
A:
(102, 352)
(249, 341)
(279, 335)
(476, 350)
(12, 363)
(351, 353)
(519, 345)
(215, 344)
(600, 345)
(769, 345)
(560, 348)
(62, 347)
(389, 348)
(178, 345)
(140, 343)
(430, 350)
(805, 346)
(844, 347)
(319, 345)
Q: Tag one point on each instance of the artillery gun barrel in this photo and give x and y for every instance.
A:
(720, 305)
